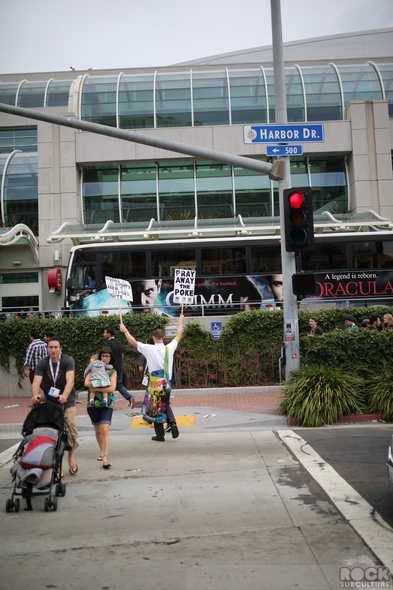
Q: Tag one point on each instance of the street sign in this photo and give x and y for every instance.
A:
(215, 330)
(283, 133)
(284, 150)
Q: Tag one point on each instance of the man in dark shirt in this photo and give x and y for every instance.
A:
(117, 349)
(56, 375)
(375, 322)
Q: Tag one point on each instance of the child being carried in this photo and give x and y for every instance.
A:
(98, 378)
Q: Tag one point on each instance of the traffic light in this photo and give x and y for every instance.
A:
(298, 219)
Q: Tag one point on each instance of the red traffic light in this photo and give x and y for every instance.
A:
(296, 200)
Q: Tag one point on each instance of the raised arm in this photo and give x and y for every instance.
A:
(130, 337)
(179, 328)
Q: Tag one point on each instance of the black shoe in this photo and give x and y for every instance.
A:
(168, 428)
(158, 438)
(175, 430)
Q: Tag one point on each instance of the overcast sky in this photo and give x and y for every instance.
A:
(54, 35)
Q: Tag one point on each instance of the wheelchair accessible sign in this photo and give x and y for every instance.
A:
(216, 330)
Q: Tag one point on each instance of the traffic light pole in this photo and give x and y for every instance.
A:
(290, 327)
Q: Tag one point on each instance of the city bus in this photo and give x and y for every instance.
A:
(233, 273)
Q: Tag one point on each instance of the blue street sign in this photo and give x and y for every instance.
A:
(216, 329)
(284, 150)
(310, 132)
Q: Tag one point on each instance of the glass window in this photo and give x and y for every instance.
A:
(8, 92)
(21, 191)
(176, 191)
(372, 254)
(100, 194)
(124, 264)
(386, 71)
(31, 94)
(9, 278)
(136, 96)
(360, 82)
(322, 94)
(265, 259)
(173, 100)
(270, 92)
(15, 304)
(248, 97)
(223, 261)
(214, 190)
(329, 185)
(98, 103)
(326, 257)
(58, 93)
(24, 139)
(294, 92)
(253, 193)
(210, 98)
(163, 263)
(138, 192)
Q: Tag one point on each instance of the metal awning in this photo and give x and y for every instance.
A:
(19, 233)
(211, 228)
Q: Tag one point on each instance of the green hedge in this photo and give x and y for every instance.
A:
(246, 354)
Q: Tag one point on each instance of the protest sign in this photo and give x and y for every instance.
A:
(184, 286)
(119, 289)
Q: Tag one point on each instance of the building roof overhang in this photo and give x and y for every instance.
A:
(195, 228)
(19, 233)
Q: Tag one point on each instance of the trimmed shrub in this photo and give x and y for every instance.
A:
(318, 395)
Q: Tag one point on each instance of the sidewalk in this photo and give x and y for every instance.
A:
(14, 410)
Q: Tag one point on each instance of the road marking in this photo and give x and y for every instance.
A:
(7, 455)
(181, 421)
(368, 524)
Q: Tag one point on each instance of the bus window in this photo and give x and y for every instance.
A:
(164, 262)
(326, 257)
(372, 254)
(226, 261)
(265, 259)
(123, 264)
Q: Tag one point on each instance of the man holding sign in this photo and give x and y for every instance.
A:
(155, 357)
(118, 289)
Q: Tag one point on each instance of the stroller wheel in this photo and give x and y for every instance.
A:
(46, 504)
(63, 489)
(9, 505)
(60, 489)
(54, 504)
(17, 504)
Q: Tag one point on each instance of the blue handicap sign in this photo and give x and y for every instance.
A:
(216, 329)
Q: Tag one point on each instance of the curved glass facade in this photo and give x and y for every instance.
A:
(207, 190)
(225, 96)
(19, 194)
(230, 96)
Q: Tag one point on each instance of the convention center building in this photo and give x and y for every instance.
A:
(76, 204)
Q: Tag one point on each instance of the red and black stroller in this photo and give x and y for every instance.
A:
(37, 466)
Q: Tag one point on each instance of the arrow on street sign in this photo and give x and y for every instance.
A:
(284, 150)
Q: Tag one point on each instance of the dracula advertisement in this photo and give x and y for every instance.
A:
(228, 295)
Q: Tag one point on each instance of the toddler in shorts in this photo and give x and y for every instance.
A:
(98, 378)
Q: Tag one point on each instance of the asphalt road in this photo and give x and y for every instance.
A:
(359, 455)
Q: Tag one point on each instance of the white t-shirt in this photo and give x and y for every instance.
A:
(155, 355)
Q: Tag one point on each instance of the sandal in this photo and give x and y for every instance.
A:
(99, 458)
(73, 469)
(105, 464)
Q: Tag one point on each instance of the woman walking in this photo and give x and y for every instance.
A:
(100, 413)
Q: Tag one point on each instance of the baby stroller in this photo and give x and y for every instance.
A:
(37, 463)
